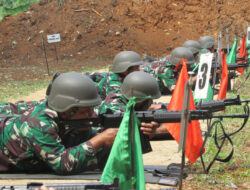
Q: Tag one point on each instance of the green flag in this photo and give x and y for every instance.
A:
(231, 58)
(248, 51)
(119, 164)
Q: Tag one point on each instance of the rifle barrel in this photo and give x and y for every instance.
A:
(231, 116)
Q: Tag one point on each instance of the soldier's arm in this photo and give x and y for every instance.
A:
(43, 138)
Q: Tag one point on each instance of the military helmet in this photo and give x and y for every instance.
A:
(72, 90)
(124, 60)
(142, 84)
(206, 42)
(194, 46)
(179, 53)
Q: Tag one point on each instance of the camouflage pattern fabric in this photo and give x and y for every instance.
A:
(114, 102)
(19, 107)
(97, 76)
(162, 72)
(166, 58)
(31, 142)
(109, 84)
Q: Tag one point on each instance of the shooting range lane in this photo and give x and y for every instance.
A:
(164, 153)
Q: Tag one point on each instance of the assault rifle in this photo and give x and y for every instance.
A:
(65, 186)
(114, 120)
(160, 116)
(218, 105)
(225, 49)
(232, 66)
(241, 59)
(215, 105)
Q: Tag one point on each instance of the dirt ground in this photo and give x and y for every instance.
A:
(92, 31)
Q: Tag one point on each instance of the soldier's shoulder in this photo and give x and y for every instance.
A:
(42, 111)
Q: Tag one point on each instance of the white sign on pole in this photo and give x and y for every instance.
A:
(248, 35)
(53, 38)
(201, 86)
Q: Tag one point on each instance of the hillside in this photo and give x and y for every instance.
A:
(97, 30)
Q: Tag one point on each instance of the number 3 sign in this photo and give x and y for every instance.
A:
(201, 86)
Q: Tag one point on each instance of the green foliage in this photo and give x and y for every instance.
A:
(61, 2)
(2, 12)
(13, 7)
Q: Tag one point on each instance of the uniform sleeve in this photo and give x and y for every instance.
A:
(23, 106)
(8, 108)
(19, 107)
(102, 86)
(42, 136)
(114, 102)
(110, 84)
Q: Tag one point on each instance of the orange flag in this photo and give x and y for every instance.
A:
(242, 53)
(224, 77)
(194, 139)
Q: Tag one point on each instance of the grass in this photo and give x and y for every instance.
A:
(16, 89)
(235, 172)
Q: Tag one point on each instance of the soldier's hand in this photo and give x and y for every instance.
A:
(104, 139)
(109, 136)
(149, 128)
(45, 188)
(155, 106)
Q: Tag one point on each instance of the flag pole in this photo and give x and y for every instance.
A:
(184, 124)
(132, 135)
(227, 40)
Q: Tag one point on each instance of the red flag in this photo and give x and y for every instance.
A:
(242, 53)
(194, 139)
(224, 77)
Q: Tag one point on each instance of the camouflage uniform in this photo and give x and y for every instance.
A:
(114, 102)
(162, 72)
(97, 77)
(31, 142)
(145, 86)
(111, 83)
(19, 107)
(109, 88)
(166, 58)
